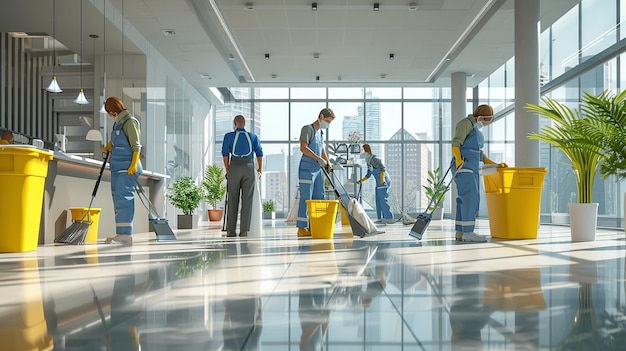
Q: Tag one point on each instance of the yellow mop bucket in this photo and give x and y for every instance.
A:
(322, 216)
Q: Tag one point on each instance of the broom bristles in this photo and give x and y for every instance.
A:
(75, 234)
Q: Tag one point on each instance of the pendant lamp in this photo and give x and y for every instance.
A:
(54, 85)
(81, 99)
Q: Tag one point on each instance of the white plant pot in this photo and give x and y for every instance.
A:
(583, 219)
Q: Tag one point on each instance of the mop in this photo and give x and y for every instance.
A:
(76, 233)
(404, 217)
(292, 215)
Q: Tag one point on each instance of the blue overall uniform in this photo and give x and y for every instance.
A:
(240, 145)
(382, 190)
(122, 185)
(467, 181)
(310, 178)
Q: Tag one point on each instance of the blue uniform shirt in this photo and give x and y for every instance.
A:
(247, 146)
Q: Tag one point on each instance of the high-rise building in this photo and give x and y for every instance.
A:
(412, 158)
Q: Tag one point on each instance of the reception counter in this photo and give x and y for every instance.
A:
(70, 183)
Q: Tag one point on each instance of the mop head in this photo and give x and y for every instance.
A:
(75, 234)
(406, 219)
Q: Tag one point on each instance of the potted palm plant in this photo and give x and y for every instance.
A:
(608, 130)
(269, 209)
(185, 195)
(436, 190)
(567, 134)
(214, 186)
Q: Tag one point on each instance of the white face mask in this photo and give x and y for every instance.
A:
(324, 124)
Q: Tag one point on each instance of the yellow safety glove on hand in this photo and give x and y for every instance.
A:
(503, 165)
(361, 180)
(107, 148)
(382, 177)
(132, 169)
(456, 152)
(488, 161)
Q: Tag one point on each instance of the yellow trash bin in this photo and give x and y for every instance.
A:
(513, 199)
(94, 215)
(23, 172)
(322, 215)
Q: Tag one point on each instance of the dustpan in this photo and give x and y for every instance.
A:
(157, 224)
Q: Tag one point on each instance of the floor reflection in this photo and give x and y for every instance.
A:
(279, 293)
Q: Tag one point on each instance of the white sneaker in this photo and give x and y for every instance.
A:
(473, 237)
(120, 239)
(458, 235)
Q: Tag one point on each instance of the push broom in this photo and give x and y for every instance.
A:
(76, 233)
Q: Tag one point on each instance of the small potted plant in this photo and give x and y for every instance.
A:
(185, 195)
(436, 189)
(269, 209)
(214, 186)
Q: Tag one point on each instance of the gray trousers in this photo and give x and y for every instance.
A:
(240, 184)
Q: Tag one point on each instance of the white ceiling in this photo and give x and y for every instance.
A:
(352, 40)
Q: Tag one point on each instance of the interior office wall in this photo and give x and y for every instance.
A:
(25, 106)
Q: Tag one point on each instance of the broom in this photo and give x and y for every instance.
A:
(76, 233)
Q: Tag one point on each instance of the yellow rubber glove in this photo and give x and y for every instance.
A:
(382, 177)
(456, 152)
(107, 148)
(361, 180)
(488, 161)
(132, 169)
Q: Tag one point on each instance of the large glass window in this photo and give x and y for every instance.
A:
(565, 43)
(598, 29)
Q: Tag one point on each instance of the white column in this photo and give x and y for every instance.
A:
(526, 81)
(459, 98)
(458, 111)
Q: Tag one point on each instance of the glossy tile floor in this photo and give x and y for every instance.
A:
(278, 292)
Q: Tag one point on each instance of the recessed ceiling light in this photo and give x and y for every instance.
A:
(316, 55)
(169, 32)
(205, 75)
(231, 57)
(314, 6)
(376, 6)
(274, 76)
(249, 6)
(392, 56)
(413, 6)
(267, 56)
(317, 78)
(383, 76)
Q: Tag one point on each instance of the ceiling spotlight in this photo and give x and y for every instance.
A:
(231, 57)
(383, 76)
(376, 6)
(168, 32)
(316, 55)
(274, 76)
(338, 77)
(314, 6)
(249, 6)
(267, 56)
(392, 56)
(412, 6)
(317, 78)
(205, 76)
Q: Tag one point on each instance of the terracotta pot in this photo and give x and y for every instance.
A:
(215, 215)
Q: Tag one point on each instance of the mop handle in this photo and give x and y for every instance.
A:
(95, 188)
